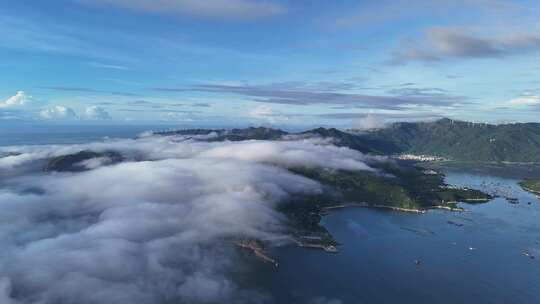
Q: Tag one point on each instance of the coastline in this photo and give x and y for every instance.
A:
(366, 205)
(400, 209)
(537, 193)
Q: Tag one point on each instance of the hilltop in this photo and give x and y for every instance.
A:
(450, 139)
(463, 141)
(392, 184)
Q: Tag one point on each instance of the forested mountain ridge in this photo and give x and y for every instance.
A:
(463, 141)
(450, 139)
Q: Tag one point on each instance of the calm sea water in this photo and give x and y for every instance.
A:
(470, 257)
(32, 134)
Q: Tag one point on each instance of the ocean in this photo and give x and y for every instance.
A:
(477, 256)
(32, 134)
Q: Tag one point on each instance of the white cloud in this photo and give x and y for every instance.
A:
(58, 113)
(96, 113)
(370, 121)
(306, 153)
(175, 116)
(152, 229)
(19, 99)
(264, 112)
(221, 9)
(527, 100)
(94, 163)
(20, 106)
(106, 66)
(303, 152)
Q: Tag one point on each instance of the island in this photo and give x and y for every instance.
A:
(80, 161)
(396, 184)
(408, 188)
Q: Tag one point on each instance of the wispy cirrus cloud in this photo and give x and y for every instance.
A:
(385, 11)
(211, 9)
(301, 96)
(383, 116)
(201, 105)
(43, 36)
(101, 65)
(158, 110)
(428, 95)
(87, 90)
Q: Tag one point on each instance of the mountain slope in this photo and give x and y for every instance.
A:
(364, 144)
(459, 140)
(455, 140)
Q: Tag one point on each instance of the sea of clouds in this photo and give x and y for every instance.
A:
(157, 228)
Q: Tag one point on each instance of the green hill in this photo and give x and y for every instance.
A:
(73, 162)
(365, 144)
(464, 141)
(451, 139)
(531, 185)
(259, 133)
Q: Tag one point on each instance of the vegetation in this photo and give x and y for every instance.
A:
(531, 185)
(259, 133)
(398, 185)
(72, 162)
(451, 139)
(465, 141)
(8, 154)
(401, 187)
(363, 144)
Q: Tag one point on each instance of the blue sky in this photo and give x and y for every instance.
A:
(276, 62)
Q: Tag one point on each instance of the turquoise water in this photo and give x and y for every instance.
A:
(470, 257)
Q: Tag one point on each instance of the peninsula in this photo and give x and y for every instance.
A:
(395, 184)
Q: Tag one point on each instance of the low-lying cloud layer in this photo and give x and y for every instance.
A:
(157, 228)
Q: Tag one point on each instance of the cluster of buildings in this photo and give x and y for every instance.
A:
(423, 158)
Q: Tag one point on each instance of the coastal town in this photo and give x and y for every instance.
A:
(421, 158)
